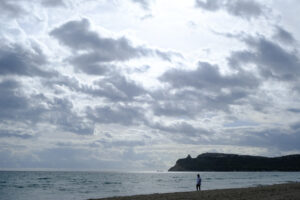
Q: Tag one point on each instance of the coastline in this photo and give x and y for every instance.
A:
(287, 191)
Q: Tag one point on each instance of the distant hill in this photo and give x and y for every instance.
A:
(234, 162)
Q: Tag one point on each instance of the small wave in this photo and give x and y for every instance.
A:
(178, 180)
(85, 192)
(19, 186)
(110, 183)
(33, 185)
(219, 178)
(182, 187)
(44, 178)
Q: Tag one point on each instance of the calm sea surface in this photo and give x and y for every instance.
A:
(41, 185)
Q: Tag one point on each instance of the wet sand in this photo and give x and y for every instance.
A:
(290, 191)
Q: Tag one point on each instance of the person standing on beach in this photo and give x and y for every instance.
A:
(198, 185)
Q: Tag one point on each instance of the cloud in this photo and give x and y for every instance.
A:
(74, 105)
(203, 88)
(208, 77)
(295, 126)
(121, 143)
(89, 64)
(174, 108)
(11, 9)
(284, 36)
(182, 128)
(191, 103)
(117, 114)
(113, 87)
(15, 105)
(246, 9)
(118, 88)
(145, 4)
(212, 5)
(17, 60)
(15, 134)
(53, 3)
(60, 112)
(271, 60)
(281, 139)
(99, 51)
(294, 110)
(76, 35)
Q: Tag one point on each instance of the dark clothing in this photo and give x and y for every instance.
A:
(198, 185)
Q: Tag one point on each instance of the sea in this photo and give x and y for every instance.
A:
(71, 185)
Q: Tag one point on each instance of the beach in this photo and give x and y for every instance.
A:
(289, 191)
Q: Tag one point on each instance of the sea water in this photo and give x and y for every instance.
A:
(56, 185)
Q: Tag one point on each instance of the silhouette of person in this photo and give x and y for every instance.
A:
(198, 185)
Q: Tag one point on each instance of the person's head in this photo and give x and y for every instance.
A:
(198, 175)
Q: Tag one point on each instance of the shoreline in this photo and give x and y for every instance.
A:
(286, 191)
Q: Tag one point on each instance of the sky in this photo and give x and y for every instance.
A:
(137, 84)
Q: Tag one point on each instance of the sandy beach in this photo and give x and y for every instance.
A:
(290, 191)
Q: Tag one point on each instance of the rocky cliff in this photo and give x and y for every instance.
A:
(234, 162)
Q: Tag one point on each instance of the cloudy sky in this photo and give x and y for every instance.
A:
(137, 84)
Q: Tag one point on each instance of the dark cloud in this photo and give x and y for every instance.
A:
(78, 36)
(284, 36)
(60, 112)
(174, 109)
(17, 60)
(246, 9)
(11, 8)
(117, 114)
(10, 99)
(211, 5)
(271, 60)
(19, 107)
(208, 77)
(121, 143)
(295, 126)
(53, 3)
(281, 139)
(205, 88)
(15, 105)
(271, 138)
(99, 50)
(88, 64)
(192, 103)
(294, 110)
(145, 4)
(15, 134)
(182, 128)
(117, 88)
(113, 87)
